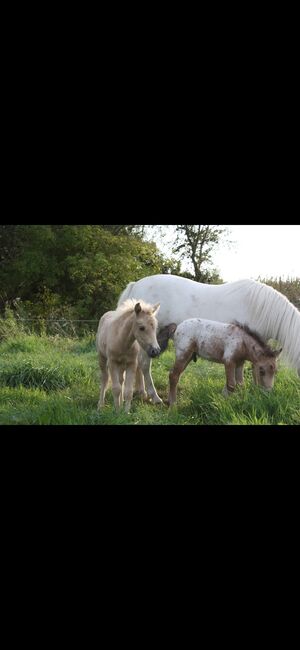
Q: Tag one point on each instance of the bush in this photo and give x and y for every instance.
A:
(9, 327)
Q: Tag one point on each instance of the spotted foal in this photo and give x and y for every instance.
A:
(229, 343)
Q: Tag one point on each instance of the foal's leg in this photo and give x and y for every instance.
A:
(121, 378)
(129, 381)
(239, 373)
(230, 378)
(114, 370)
(104, 379)
(174, 374)
(145, 365)
(140, 384)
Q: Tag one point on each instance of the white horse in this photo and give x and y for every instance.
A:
(261, 307)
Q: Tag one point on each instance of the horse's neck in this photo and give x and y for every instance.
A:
(125, 327)
(250, 346)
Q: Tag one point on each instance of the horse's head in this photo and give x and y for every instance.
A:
(165, 334)
(145, 326)
(264, 369)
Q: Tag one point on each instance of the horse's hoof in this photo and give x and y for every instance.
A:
(140, 394)
(156, 400)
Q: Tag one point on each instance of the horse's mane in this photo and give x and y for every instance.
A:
(265, 347)
(273, 314)
(128, 307)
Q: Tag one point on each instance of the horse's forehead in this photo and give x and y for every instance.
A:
(145, 318)
(268, 361)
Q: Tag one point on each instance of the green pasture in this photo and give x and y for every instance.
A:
(55, 381)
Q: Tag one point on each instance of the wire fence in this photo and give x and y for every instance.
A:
(61, 320)
(60, 326)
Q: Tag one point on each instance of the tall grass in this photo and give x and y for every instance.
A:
(53, 380)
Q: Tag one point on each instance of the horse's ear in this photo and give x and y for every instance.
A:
(155, 308)
(277, 352)
(172, 328)
(137, 308)
(257, 351)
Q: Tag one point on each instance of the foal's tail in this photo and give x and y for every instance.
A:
(126, 293)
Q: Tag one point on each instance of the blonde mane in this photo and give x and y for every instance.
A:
(128, 307)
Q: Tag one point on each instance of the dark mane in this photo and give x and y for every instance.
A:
(266, 349)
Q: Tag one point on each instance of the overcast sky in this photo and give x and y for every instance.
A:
(260, 250)
(265, 251)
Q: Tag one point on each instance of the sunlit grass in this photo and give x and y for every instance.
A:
(52, 380)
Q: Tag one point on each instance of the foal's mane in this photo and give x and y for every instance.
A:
(127, 307)
(266, 349)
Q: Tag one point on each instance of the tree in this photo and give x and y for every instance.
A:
(290, 287)
(122, 229)
(71, 271)
(196, 243)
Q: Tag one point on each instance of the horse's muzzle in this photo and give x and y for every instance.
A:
(153, 352)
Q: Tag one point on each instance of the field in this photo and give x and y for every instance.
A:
(55, 381)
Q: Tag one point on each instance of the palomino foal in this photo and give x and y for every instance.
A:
(229, 343)
(119, 335)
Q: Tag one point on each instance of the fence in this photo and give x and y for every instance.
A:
(62, 326)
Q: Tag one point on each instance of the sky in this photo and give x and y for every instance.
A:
(265, 251)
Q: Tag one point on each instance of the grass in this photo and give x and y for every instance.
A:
(52, 380)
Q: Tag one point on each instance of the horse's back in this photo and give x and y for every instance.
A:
(212, 340)
(182, 298)
(103, 331)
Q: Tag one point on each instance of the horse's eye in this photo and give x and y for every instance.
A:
(262, 371)
(142, 328)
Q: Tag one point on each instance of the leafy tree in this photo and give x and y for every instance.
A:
(26, 254)
(71, 271)
(125, 230)
(289, 288)
(197, 243)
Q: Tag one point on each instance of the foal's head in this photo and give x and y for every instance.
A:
(264, 359)
(145, 326)
(264, 368)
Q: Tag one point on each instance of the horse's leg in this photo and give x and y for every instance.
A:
(239, 373)
(129, 381)
(114, 370)
(174, 374)
(121, 378)
(140, 384)
(104, 379)
(145, 365)
(230, 378)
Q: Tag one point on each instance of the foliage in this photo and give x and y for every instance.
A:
(66, 272)
(196, 243)
(8, 325)
(136, 230)
(289, 288)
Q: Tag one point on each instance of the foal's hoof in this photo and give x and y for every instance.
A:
(227, 392)
(140, 394)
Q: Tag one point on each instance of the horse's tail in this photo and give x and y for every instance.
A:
(126, 293)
